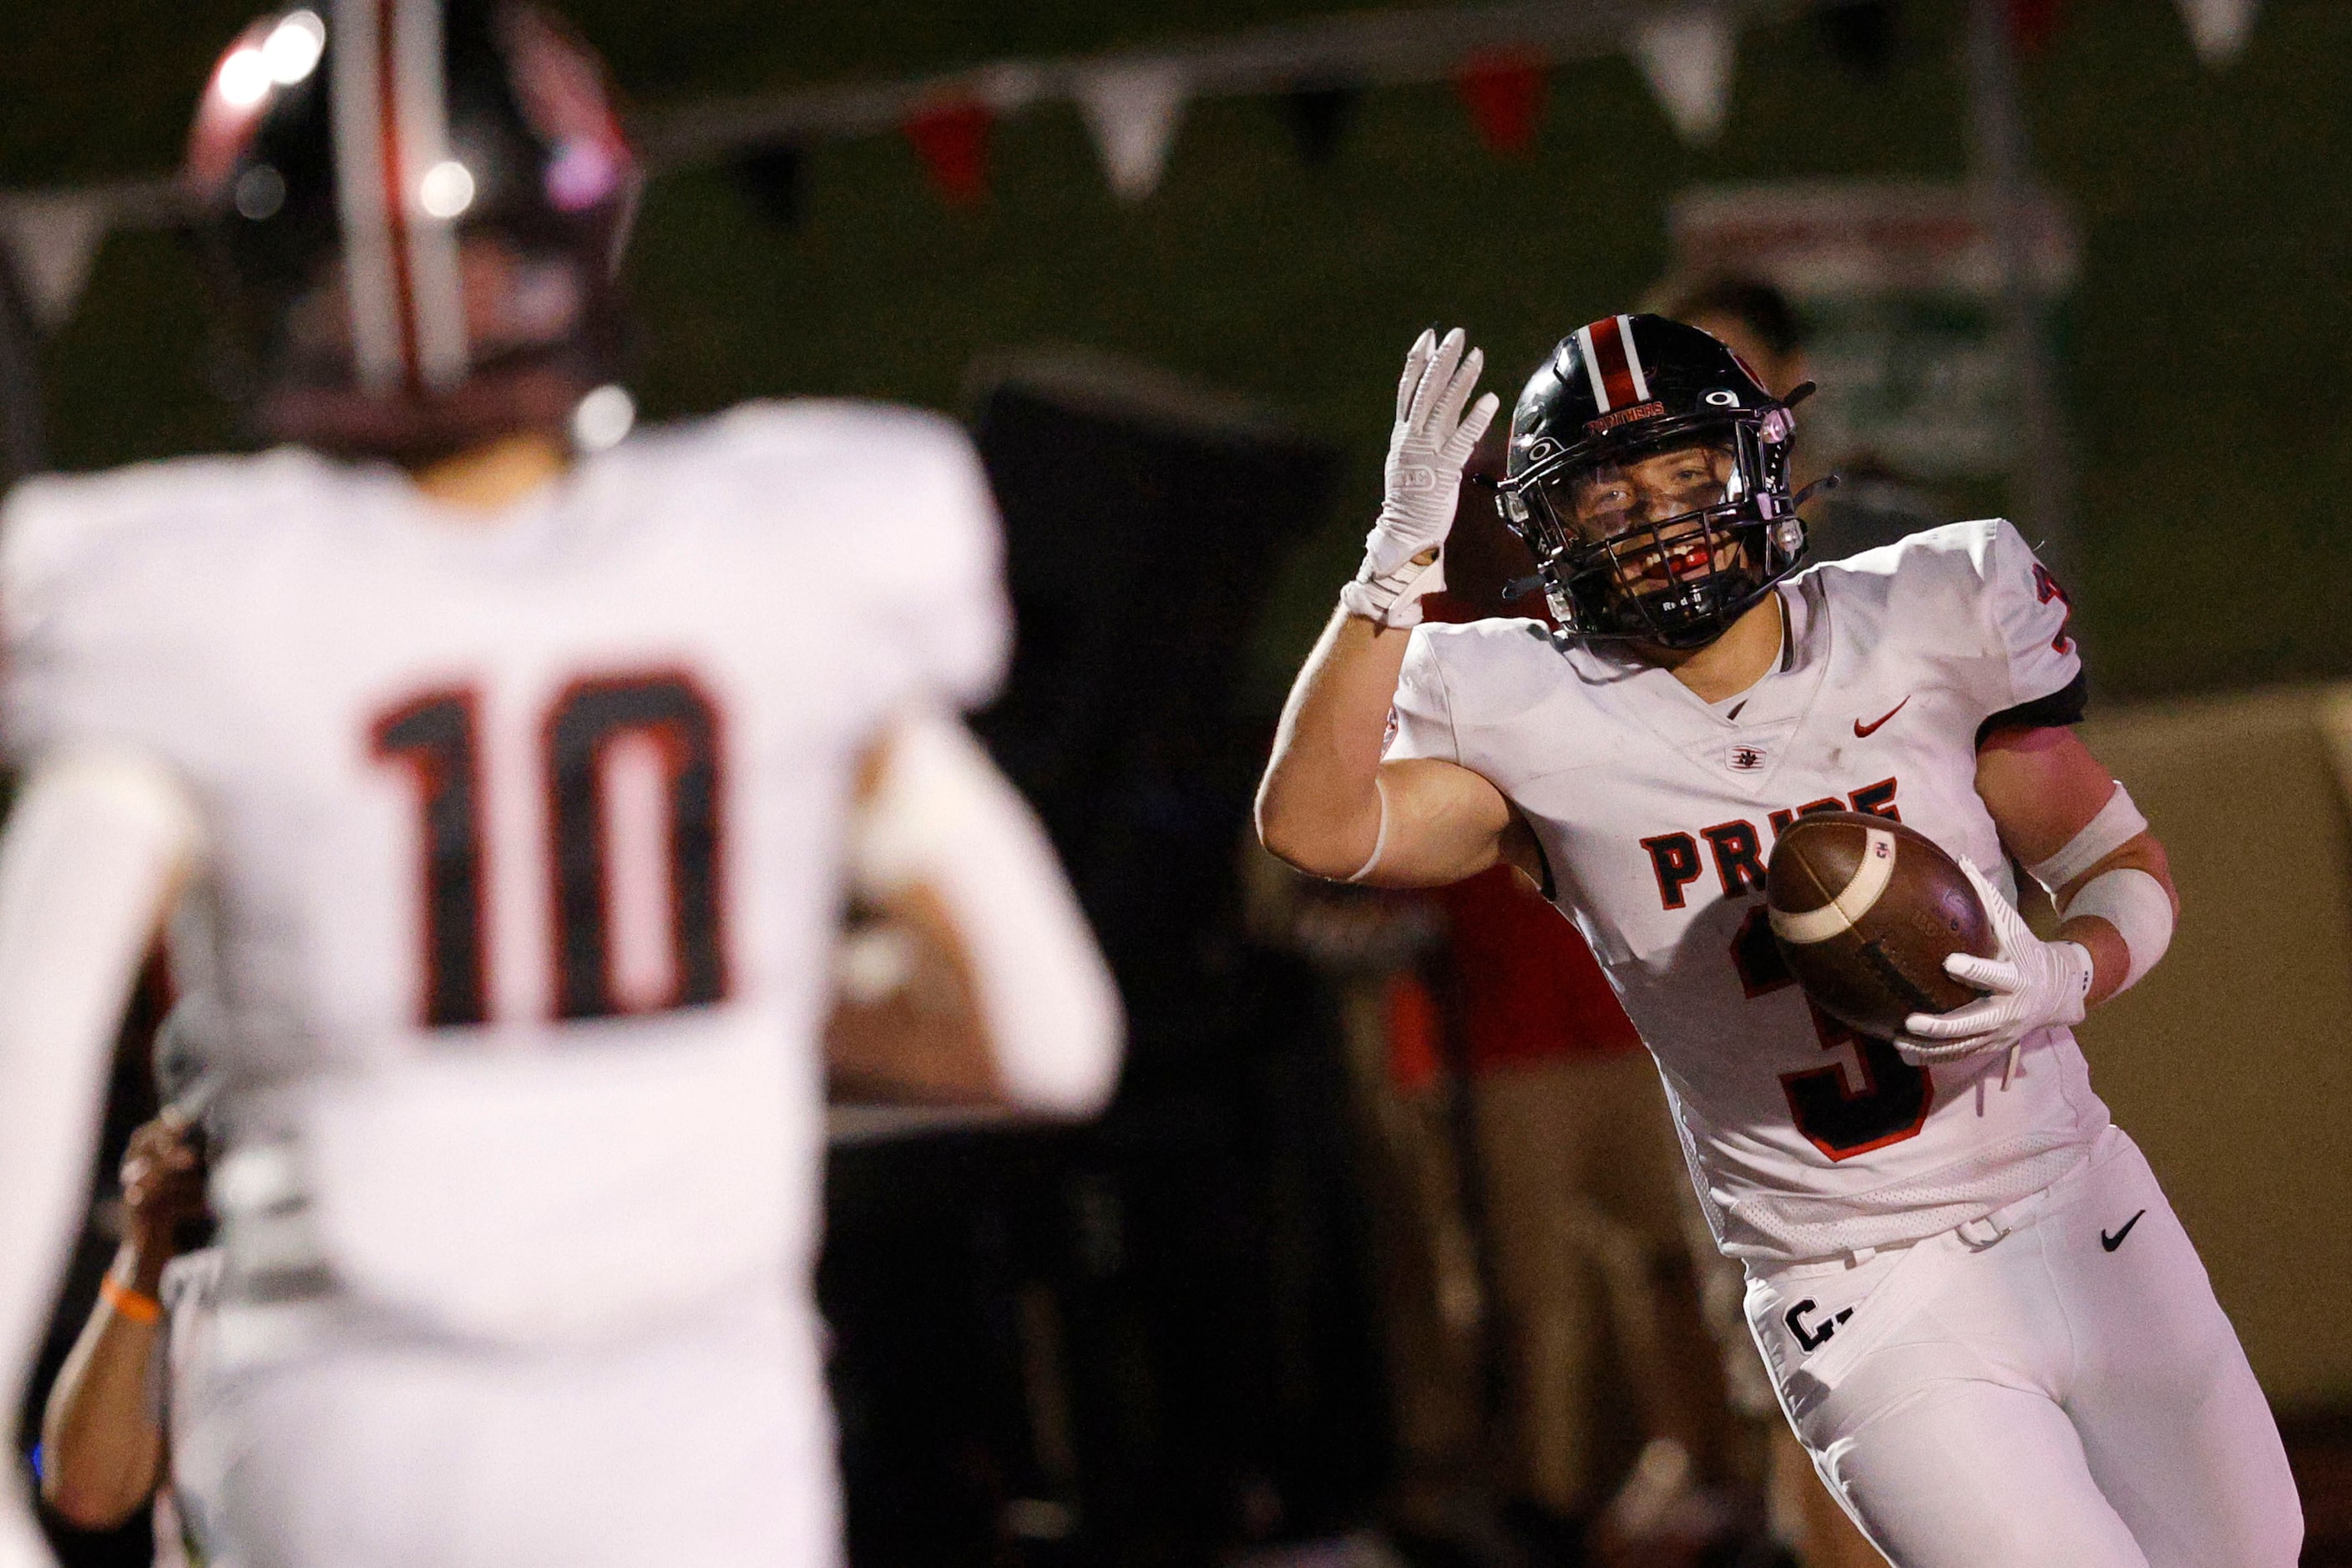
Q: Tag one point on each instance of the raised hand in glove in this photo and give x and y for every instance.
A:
(1433, 438)
(2033, 985)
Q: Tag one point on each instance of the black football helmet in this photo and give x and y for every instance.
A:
(412, 214)
(1648, 471)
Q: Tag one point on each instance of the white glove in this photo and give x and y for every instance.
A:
(1433, 438)
(2034, 983)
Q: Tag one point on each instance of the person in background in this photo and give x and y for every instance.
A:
(1748, 316)
(106, 1449)
(1873, 504)
(1370, 947)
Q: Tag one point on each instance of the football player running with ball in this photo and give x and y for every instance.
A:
(1984, 1322)
(506, 796)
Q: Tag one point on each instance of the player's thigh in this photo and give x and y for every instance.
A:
(2175, 1430)
(1965, 1474)
(2202, 1480)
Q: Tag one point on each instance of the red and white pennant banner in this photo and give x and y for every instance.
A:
(1498, 55)
(1687, 59)
(1132, 112)
(2217, 27)
(50, 239)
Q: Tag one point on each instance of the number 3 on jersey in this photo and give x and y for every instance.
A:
(436, 738)
(1839, 1119)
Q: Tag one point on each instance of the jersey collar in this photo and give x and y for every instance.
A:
(1774, 711)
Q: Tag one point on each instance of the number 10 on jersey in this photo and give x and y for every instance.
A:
(436, 738)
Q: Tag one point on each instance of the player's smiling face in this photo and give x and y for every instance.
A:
(1610, 498)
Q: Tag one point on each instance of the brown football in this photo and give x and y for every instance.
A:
(1866, 910)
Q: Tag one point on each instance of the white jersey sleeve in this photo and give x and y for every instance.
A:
(917, 543)
(185, 1514)
(1421, 716)
(79, 611)
(2025, 615)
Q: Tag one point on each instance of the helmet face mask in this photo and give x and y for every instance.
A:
(1659, 521)
(536, 343)
(516, 306)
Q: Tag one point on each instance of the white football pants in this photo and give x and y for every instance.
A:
(2053, 1386)
(709, 1442)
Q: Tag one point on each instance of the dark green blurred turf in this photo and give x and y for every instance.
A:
(2208, 350)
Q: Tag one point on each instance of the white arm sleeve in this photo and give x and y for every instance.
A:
(2029, 621)
(2136, 905)
(943, 817)
(92, 851)
(1420, 714)
(2117, 823)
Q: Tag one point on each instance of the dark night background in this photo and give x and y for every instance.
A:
(1199, 1258)
(2204, 366)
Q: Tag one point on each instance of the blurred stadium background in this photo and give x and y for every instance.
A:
(1196, 1266)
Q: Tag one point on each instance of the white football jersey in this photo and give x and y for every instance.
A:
(1657, 811)
(183, 1513)
(524, 835)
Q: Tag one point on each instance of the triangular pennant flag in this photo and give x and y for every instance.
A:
(50, 240)
(2217, 27)
(1318, 118)
(772, 177)
(1688, 59)
(1860, 35)
(951, 138)
(1506, 96)
(2032, 24)
(1009, 87)
(1133, 112)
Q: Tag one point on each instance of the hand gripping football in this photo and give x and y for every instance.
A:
(1866, 910)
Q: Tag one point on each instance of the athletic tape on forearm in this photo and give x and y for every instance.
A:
(942, 815)
(2116, 825)
(2136, 905)
(1393, 600)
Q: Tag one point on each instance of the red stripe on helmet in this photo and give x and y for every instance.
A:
(1612, 359)
(395, 184)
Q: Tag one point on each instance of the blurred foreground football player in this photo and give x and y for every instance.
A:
(504, 806)
(1983, 1320)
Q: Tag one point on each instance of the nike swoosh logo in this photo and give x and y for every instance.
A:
(2112, 1242)
(1863, 732)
